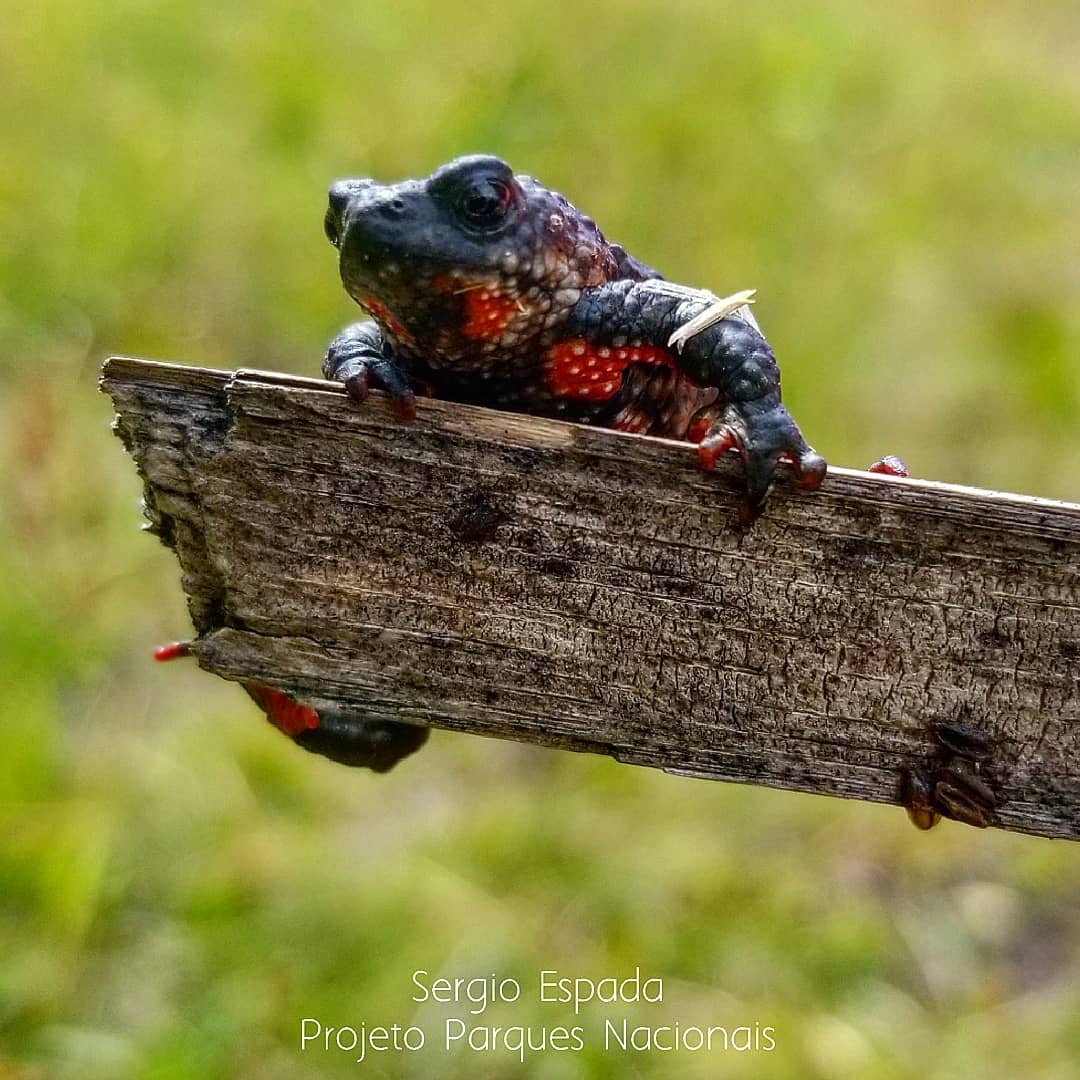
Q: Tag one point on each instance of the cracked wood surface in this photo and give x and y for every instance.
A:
(534, 580)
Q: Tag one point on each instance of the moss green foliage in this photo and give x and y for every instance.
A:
(178, 885)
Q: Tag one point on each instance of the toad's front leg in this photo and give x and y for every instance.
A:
(361, 357)
(729, 355)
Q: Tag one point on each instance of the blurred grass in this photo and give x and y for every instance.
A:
(179, 886)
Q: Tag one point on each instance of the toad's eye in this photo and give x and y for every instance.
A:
(484, 203)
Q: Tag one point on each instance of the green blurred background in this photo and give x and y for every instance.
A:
(179, 886)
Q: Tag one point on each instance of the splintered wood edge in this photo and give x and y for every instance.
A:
(542, 432)
(976, 511)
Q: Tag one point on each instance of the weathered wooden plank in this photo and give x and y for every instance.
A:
(535, 580)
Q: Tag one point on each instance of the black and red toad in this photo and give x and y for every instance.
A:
(487, 288)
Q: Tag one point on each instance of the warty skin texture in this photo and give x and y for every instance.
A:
(487, 288)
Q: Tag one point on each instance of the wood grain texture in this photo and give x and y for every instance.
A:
(534, 580)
